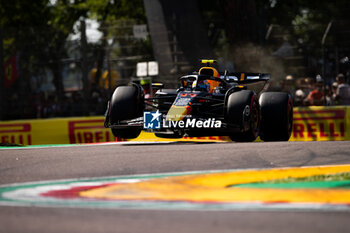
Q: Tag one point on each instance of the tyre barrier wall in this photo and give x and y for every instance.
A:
(310, 124)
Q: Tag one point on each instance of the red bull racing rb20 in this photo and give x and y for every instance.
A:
(207, 103)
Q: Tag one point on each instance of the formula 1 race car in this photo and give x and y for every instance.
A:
(207, 103)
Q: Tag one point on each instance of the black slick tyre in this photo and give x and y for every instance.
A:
(126, 104)
(243, 110)
(276, 116)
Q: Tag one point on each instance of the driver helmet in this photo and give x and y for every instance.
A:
(204, 85)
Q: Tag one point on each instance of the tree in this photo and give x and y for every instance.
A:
(241, 21)
(109, 14)
(37, 31)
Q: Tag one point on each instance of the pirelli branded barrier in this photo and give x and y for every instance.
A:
(68, 131)
(55, 131)
(310, 124)
(321, 124)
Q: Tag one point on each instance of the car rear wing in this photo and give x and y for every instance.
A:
(243, 78)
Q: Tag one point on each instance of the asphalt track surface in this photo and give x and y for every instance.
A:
(40, 164)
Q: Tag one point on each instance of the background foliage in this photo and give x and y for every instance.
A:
(38, 33)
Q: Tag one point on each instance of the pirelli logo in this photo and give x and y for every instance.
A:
(328, 124)
(89, 131)
(16, 133)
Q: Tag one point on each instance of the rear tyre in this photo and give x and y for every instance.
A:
(126, 103)
(243, 110)
(276, 116)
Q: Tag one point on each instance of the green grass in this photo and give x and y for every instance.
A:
(339, 180)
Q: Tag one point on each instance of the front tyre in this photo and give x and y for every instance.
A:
(126, 103)
(276, 116)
